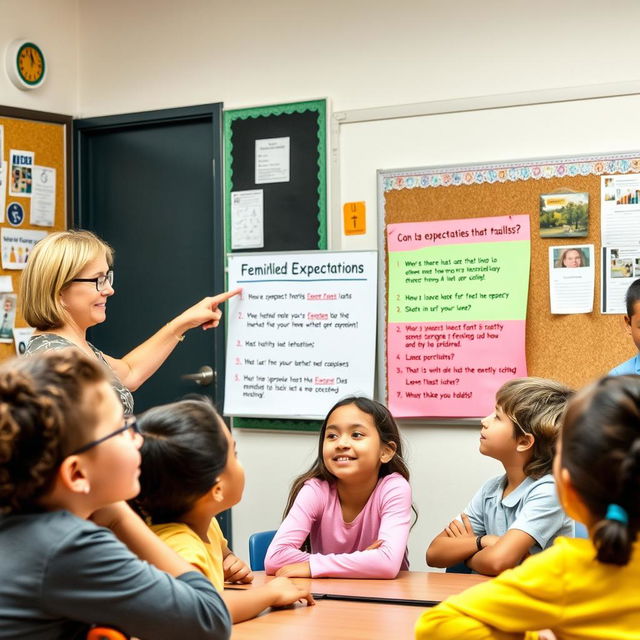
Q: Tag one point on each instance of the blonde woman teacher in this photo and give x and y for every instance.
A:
(65, 288)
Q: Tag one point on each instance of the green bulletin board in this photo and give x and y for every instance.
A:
(295, 211)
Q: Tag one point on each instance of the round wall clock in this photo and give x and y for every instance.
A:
(26, 65)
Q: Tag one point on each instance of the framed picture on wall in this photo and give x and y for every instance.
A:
(564, 215)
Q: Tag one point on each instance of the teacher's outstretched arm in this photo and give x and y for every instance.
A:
(142, 362)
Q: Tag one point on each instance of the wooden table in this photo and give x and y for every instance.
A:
(348, 609)
(419, 588)
(333, 620)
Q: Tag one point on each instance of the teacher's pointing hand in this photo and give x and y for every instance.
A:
(206, 313)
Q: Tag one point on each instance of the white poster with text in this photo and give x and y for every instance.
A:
(571, 278)
(16, 244)
(619, 268)
(247, 219)
(21, 172)
(3, 188)
(43, 199)
(272, 160)
(302, 334)
(620, 210)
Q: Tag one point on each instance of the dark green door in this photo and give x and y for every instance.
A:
(150, 185)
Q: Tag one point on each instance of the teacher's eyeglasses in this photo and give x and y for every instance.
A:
(130, 423)
(100, 281)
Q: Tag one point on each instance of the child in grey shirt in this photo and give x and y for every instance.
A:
(73, 553)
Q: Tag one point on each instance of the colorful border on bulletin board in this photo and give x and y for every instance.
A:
(474, 198)
(512, 171)
(230, 116)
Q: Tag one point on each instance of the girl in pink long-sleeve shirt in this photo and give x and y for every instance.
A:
(353, 506)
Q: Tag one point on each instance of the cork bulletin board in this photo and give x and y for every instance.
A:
(48, 137)
(571, 348)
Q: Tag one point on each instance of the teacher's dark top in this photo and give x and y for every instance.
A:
(47, 341)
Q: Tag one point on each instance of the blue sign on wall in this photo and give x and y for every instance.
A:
(15, 214)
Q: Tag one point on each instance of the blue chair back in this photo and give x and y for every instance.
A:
(258, 545)
(581, 530)
(461, 567)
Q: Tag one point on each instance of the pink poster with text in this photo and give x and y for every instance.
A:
(457, 300)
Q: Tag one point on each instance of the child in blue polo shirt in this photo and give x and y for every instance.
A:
(518, 513)
(632, 322)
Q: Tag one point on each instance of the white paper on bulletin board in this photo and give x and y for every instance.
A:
(302, 334)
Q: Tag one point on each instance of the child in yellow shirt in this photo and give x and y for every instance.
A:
(189, 473)
(580, 589)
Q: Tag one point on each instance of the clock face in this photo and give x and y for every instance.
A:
(30, 62)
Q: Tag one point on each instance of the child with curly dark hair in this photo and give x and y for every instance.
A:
(73, 552)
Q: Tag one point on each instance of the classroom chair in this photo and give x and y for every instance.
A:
(461, 567)
(258, 545)
(105, 633)
(581, 530)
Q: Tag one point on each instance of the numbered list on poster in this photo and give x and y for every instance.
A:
(456, 313)
(302, 334)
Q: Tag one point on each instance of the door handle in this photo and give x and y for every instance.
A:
(205, 376)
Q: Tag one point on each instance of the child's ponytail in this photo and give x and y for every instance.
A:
(614, 536)
(601, 451)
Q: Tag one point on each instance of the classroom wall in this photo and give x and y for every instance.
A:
(122, 56)
(160, 53)
(53, 26)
